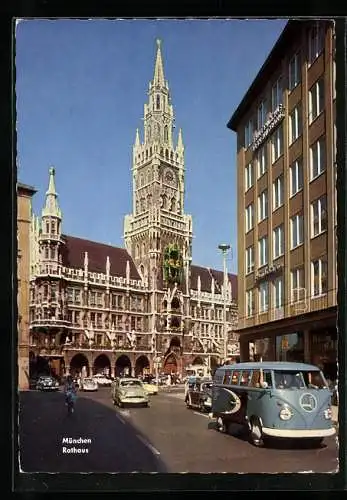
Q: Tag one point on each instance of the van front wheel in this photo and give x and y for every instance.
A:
(256, 434)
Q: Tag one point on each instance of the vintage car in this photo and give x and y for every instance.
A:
(102, 380)
(150, 386)
(129, 391)
(88, 384)
(198, 394)
(47, 383)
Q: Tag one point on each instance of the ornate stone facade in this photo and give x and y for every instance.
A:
(143, 307)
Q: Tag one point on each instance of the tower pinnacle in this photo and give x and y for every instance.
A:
(159, 69)
(51, 205)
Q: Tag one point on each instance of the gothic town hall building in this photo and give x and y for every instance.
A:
(142, 308)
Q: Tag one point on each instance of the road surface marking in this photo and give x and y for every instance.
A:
(201, 414)
(120, 419)
(151, 447)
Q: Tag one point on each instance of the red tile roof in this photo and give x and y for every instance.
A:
(73, 256)
(206, 274)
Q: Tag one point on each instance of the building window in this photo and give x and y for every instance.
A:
(249, 303)
(261, 161)
(297, 279)
(295, 124)
(261, 115)
(262, 205)
(249, 217)
(315, 42)
(319, 283)
(277, 143)
(294, 71)
(316, 100)
(278, 291)
(296, 231)
(53, 227)
(46, 253)
(263, 296)
(277, 192)
(249, 259)
(263, 251)
(249, 176)
(92, 301)
(278, 241)
(166, 133)
(277, 94)
(158, 101)
(248, 134)
(296, 177)
(317, 158)
(319, 220)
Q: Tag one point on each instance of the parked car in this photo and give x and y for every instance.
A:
(199, 394)
(88, 384)
(129, 391)
(47, 383)
(102, 380)
(150, 385)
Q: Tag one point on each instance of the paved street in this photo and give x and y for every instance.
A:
(166, 437)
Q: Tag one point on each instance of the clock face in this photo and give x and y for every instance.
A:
(169, 177)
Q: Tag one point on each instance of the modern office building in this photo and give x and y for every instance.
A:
(286, 176)
(24, 214)
(144, 307)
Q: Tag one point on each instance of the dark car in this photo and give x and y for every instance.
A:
(199, 394)
(47, 383)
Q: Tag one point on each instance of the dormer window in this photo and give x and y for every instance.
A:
(158, 102)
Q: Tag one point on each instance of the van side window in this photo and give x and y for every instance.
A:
(268, 378)
(245, 377)
(255, 379)
(235, 378)
(226, 379)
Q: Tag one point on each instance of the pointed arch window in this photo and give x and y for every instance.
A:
(158, 102)
(137, 251)
(166, 133)
(53, 227)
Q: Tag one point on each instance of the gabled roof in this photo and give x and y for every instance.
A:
(73, 256)
(206, 274)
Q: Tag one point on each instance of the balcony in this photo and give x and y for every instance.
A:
(50, 322)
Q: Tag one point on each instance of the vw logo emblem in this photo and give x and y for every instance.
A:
(308, 402)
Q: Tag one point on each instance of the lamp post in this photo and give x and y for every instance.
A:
(225, 248)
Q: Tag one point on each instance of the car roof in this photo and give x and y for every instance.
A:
(128, 379)
(270, 365)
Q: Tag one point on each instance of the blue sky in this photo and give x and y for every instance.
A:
(81, 86)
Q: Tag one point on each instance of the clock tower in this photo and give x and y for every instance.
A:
(158, 234)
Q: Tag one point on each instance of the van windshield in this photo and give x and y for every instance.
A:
(296, 379)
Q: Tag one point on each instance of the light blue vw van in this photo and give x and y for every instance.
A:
(274, 399)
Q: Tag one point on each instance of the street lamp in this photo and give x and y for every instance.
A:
(225, 248)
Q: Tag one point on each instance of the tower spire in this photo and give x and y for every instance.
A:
(159, 69)
(137, 138)
(51, 205)
(180, 146)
